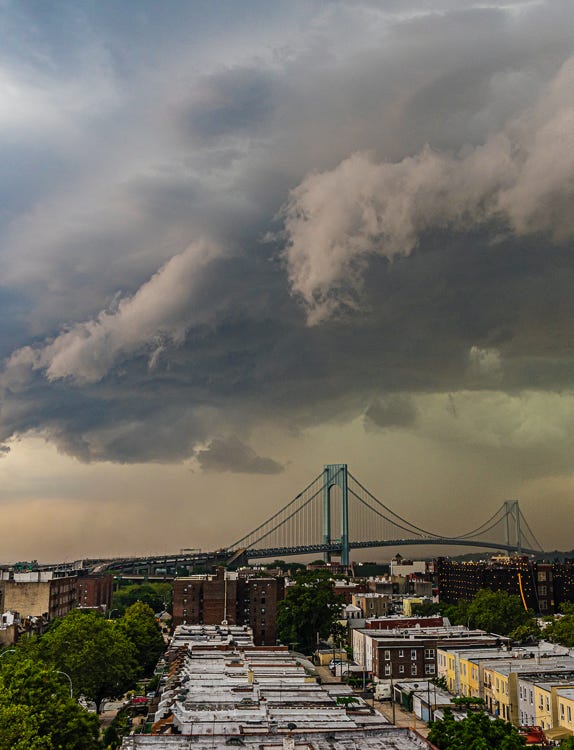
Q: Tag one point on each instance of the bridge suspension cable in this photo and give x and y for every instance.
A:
(485, 526)
(278, 519)
(401, 522)
(381, 515)
(315, 522)
(524, 522)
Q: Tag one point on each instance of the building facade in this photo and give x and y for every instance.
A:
(95, 591)
(225, 597)
(542, 586)
(37, 593)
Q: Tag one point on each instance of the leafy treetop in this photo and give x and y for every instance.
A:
(309, 611)
(37, 713)
(476, 732)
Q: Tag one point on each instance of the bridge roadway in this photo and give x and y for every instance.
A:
(166, 564)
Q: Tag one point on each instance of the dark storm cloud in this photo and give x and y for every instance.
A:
(230, 454)
(389, 412)
(146, 315)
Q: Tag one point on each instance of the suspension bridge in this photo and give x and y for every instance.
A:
(335, 514)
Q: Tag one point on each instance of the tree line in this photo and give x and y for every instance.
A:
(81, 654)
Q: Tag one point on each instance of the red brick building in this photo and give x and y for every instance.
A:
(213, 599)
(94, 591)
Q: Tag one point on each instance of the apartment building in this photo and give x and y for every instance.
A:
(411, 653)
(542, 586)
(95, 591)
(225, 597)
(36, 593)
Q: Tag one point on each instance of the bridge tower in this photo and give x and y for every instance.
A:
(512, 517)
(335, 475)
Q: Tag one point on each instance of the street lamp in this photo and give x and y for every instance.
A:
(59, 671)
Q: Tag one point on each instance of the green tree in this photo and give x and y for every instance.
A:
(476, 732)
(561, 631)
(310, 609)
(493, 611)
(427, 609)
(524, 632)
(97, 654)
(37, 713)
(141, 627)
(156, 595)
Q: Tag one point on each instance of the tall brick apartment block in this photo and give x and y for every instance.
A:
(544, 585)
(225, 597)
(95, 591)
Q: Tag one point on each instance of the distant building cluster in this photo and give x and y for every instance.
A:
(30, 599)
(543, 586)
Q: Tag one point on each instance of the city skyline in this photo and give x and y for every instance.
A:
(242, 241)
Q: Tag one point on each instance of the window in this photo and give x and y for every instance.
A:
(413, 668)
(401, 653)
(387, 655)
(429, 669)
(561, 710)
(401, 668)
(429, 654)
(547, 703)
(387, 670)
(541, 702)
(569, 713)
(541, 575)
(531, 697)
(413, 654)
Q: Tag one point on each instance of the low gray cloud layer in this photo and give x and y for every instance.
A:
(230, 454)
(343, 210)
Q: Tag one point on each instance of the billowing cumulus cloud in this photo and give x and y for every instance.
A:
(205, 184)
(161, 310)
(521, 178)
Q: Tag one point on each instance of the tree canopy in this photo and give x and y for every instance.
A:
(37, 713)
(493, 611)
(476, 732)
(309, 610)
(561, 631)
(140, 626)
(97, 654)
(156, 595)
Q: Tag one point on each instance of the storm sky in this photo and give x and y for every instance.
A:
(240, 240)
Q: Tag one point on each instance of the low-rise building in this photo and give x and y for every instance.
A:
(222, 690)
(411, 652)
(371, 604)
